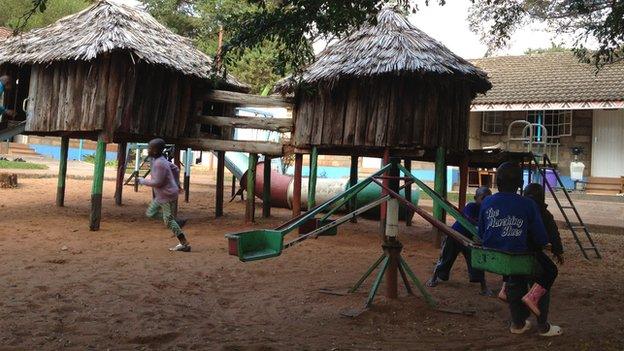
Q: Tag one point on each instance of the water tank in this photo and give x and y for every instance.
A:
(576, 170)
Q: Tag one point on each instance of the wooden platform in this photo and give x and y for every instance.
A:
(604, 185)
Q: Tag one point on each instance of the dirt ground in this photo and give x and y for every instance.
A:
(64, 287)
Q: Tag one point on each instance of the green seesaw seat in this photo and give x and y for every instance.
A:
(502, 262)
(256, 244)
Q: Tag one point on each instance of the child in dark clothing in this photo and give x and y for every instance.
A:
(510, 222)
(451, 248)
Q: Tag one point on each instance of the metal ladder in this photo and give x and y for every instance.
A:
(576, 228)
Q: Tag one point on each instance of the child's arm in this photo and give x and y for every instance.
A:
(176, 173)
(553, 233)
(158, 176)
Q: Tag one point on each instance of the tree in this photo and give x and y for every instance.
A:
(553, 48)
(598, 20)
(20, 14)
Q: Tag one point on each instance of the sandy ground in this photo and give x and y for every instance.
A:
(64, 287)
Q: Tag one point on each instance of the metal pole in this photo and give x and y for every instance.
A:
(353, 179)
(408, 195)
(250, 209)
(440, 188)
(80, 145)
(187, 173)
(220, 183)
(463, 182)
(137, 160)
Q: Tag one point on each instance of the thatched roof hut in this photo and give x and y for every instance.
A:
(110, 69)
(385, 85)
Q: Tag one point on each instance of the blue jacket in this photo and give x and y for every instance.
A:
(511, 222)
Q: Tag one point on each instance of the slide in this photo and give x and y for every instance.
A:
(12, 130)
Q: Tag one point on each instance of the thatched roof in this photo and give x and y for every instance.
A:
(392, 47)
(105, 27)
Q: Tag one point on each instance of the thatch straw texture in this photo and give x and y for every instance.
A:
(5, 33)
(392, 47)
(103, 28)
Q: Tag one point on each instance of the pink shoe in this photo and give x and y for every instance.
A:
(502, 294)
(531, 299)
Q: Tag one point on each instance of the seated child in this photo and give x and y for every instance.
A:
(510, 222)
(451, 248)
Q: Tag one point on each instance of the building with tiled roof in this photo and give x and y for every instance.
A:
(576, 104)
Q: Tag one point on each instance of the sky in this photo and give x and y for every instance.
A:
(449, 25)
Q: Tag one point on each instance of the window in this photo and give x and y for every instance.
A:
(492, 122)
(558, 123)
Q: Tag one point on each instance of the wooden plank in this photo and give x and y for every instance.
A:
(348, 136)
(255, 147)
(382, 115)
(282, 125)
(316, 132)
(339, 108)
(230, 97)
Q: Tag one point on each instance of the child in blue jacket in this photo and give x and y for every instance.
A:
(510, 222)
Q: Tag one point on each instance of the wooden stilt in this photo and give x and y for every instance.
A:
(250, 209)
(121, 171)
(266, 188)
(187, 173)
(392, 246)
(233, 186)
(312, 178)
(409, 214)
(463, 182)
(98, 183)
(220, 183)
(353, 179)
(296, 203)
(137, 164)
(62, 173)
(383, 206)
(440, 188)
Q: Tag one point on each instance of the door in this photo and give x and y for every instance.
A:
(608, 143)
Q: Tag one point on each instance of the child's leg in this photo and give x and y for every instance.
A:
(476, 275)
(517, 287)
(172, 224)
(152, 209)
(549, 271)
(448, 255)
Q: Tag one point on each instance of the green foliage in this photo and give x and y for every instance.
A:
(20, 165)
(90, 158)
(600, 20)
(553, 48)
(13, 12)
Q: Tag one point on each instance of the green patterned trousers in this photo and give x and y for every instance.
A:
(155, 208)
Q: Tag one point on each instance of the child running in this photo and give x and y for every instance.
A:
(165, 182)
(451, 248)
(512, 223)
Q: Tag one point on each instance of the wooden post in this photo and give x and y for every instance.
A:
(408, 196)
(250, 209)
(312, 178)
(137, 164)
(121, 171)
(383, 207)
(440, 188)
(266, 188)
(220, 183)
(233, 185)
(353, 179)
(463, 182)
(98, 183)
(187, 173)
(296, 203)
(62, 173)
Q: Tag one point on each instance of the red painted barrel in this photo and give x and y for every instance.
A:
(279, 185)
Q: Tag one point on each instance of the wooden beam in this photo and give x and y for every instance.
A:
(60, 190)
(296, 201)
(98, 182)
(220, 183)
(353, 179)
(282, 125)
(254, 147)
(266, 188)
(241, 99)
(250, 209)
(121, 171)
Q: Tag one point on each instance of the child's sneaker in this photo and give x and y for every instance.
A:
(527, 326)
(181, 247)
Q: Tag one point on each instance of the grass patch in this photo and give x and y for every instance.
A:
(21, 165)
(91, 159)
